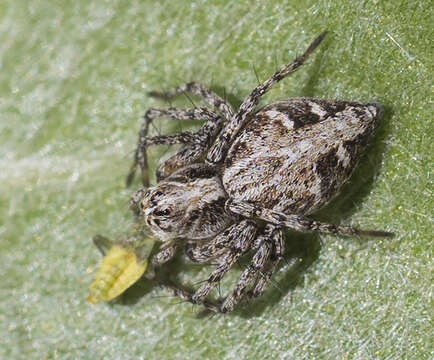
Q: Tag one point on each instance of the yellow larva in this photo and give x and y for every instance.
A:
(119, 269)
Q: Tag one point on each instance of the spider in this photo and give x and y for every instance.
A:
(245, 176)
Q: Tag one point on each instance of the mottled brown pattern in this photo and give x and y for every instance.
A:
(296, 170)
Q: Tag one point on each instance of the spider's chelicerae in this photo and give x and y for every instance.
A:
(243, 168)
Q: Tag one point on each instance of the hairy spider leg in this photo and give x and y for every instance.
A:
(269, 241)
(187, 295)
(220, 147)
(298, 222)
(191, 152)
(269, 268)
(201, 91)
(215, 248)
(213, 121)
(241, 236)
(269, 252)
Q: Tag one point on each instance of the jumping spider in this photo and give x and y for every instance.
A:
(244, 168)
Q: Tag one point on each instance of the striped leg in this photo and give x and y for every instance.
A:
(231, 129)
(269, 268)
(270, 247)
(187, 295)
(201, 91)
(208, 252)
(193, 152)
(298, 222)
(213, 122)
(240, 237)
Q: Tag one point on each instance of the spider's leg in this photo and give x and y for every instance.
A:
(267, 241)
(265, 275)
(187, 295)
(196, 253)
(298, 222)
(215, 248)
(231, 129)
(140, 156)
(199, 90)
(193, 152)
(188, 154)
(240, 237)
(263, 280)
(166, 253)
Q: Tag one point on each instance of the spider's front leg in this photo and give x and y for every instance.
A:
(270, 250)
(231, 129)
(215, 248)
(212, 126)
(166, 253)
(204, 253)
(231, 244)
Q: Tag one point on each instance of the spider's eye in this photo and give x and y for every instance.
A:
(164, 212)
(155, 197)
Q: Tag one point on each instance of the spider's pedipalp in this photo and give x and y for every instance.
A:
(166, 253)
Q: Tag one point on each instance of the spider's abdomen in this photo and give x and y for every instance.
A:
(295, 155)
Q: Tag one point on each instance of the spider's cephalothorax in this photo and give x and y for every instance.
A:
(189, 204)
(245, 168)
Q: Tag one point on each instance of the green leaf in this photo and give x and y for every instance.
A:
(73, 82)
